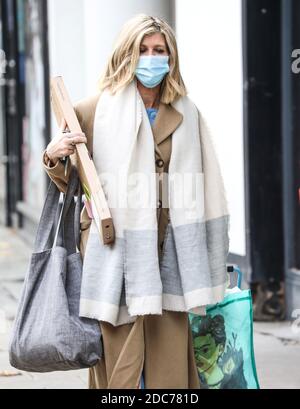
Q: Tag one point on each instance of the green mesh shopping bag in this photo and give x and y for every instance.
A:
(223, 342)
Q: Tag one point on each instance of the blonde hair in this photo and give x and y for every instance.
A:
(120, 69)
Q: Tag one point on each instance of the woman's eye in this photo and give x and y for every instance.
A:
(158, 51)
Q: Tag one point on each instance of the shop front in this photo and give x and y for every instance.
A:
(24, 116)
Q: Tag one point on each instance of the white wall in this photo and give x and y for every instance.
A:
(209, 34)
(67, 43)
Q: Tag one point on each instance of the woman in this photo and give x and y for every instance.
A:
(164, 264)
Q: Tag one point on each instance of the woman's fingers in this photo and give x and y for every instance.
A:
(76, 138)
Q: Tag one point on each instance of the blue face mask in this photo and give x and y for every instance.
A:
(151, 69)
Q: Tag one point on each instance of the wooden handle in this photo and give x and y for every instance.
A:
(63, 108)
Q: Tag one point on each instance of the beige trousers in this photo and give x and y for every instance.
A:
(161, 345)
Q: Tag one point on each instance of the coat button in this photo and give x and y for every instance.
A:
(160, 163)
(159, 204)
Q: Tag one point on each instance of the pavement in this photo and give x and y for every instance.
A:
(276, 345)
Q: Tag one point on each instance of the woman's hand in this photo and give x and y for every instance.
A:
(64, 143)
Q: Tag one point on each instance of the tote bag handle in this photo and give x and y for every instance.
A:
(48, 215)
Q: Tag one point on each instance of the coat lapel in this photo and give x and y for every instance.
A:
(166, 122)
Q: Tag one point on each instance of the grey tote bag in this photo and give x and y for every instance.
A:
(48, 334)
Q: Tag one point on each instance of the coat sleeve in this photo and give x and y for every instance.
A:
(57, 172)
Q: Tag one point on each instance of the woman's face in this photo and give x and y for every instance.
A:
(154, 44)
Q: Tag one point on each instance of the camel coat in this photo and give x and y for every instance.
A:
(161, 346)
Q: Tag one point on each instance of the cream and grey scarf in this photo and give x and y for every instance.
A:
(127, 279)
